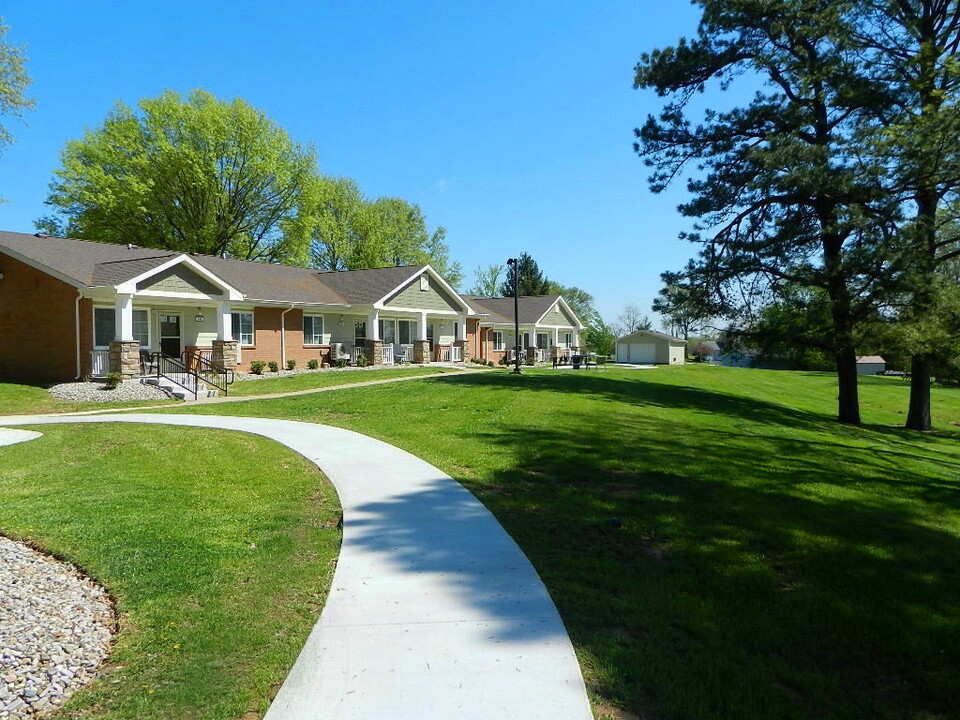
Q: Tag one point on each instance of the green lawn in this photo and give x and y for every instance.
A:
(24, 399)
(309, 381)
(217, 547)
(717, 545)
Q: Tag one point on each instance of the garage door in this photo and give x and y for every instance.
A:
(623, 353)
(643, 353)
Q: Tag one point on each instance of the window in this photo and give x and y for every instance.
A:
(359, 333)
(406, 331)
(568, 340)
(456, 330)
(388, 332)
(105, 327)
(424, 283)
(312, 329)
(542, 342)
(497, 340)
(242, 327)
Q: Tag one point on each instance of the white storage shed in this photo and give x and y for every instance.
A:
(646, 347)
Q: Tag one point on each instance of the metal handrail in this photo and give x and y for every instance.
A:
(209, 371)
(176, 372)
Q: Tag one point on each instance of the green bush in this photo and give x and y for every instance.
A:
(257, 366)
(291, 364)
(341, 362)
(113, 380)
(274, 366)
(362, 361)
(313, 364)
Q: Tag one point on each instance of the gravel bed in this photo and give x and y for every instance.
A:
(126, 391)
(241, 375)
(56, 631)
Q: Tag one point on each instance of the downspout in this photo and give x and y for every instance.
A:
(76, 315)
(283, 338)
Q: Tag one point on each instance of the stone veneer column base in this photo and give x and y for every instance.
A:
(225, 354)
(421, 351)
(373, 349)
(125, 358)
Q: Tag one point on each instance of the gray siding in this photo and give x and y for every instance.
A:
(556, 316)
(415, 298)
(179, 279)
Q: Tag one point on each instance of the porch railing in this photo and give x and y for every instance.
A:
(388, 354)
(99, 362)
(358, 350)
(456, 354)
(176, 372)
(405, 353)
(209, 372)
(443, 353)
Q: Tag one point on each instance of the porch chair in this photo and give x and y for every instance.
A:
(148, 366)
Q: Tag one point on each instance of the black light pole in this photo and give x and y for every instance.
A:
(516, 316)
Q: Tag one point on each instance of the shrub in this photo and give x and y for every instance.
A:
(313, 364)
(291, 364)
(490, 363)
(274, 366)
(362, 361)
(341, 362)
(257, 366)
(113, 380)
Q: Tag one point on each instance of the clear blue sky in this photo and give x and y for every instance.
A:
(509, 123)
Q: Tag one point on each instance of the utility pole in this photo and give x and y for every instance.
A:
(512, 262)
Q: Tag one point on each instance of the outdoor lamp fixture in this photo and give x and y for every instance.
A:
(341, 321)
(199, 317)
(516, 317)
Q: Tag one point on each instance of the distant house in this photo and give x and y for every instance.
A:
(646, 347)
(870, 364)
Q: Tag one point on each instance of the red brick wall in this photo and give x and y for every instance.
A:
(481, 343)
(266, 336)
(37, 325)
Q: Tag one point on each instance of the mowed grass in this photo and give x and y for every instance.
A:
(26, 399)
(217, 547)
(718, 546)
(311, 381)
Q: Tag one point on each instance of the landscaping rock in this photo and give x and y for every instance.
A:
(56, 631)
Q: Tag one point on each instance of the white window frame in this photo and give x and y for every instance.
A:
(424, 283)
(385, 323)
(568, 340)
(498, 341)
(315, 338)
(546, 340)
(238, 330)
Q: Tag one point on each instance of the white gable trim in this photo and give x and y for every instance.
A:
(560, 300)
(130, 286)
(381, 303)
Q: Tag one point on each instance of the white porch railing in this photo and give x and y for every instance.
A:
(456, 354)
(99, 362)
(357, 352)
(443, 353)
(405, 353)
(388, 354)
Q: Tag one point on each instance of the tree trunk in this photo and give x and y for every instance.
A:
(848, 398)
(918, 417)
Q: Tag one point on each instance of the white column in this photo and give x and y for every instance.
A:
(422, 326)
(532, 334)
(224, 322)
(124, 318)
(556, 337)
(373, 322)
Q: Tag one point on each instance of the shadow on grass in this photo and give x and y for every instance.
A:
(769, 582)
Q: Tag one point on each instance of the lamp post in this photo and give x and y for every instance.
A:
(516, 316)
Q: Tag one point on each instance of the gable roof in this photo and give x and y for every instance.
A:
(82, 263)
(651, 333)
(870, 359)
(500, 310)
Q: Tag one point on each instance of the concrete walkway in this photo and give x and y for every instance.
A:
(434, 612)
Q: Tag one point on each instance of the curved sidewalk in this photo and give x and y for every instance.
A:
(433, 612)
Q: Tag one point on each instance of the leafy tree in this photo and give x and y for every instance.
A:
(579, 300)
(349, 232)
(599, 338)
(911, 52)
(486, 281)
(631, 320)
(785, 194)
(14, 81)
(685, 306)
(192, 175)
(531, 280)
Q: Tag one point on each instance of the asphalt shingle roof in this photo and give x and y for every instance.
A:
(500, 310)
(100, 264)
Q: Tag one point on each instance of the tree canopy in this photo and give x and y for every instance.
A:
(788, 196)
(486, 281)
(530, 279)
(14, 81)
(196, 174)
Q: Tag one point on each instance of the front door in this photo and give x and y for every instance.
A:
(170, 335)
